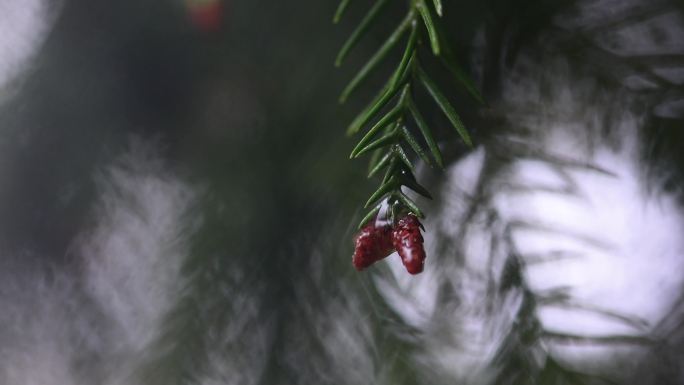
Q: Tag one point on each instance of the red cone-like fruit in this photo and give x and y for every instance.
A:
(372, 244)
(408, 242)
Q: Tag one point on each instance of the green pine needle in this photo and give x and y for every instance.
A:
(444, 105)
(389, 118)
(375, 158)
(371, 214)
(427, 133)
(402, 157)
(424, 11)
(383, 141)
(394, 165)
(340, 11)
(376, 59)
(409, 52)
(384, 161)
(360, 30)
(408, 137)
(415, 186)
(448, 59)
(462, 77)
(376, 105)
(383, 190)
(409, 204)
(438, 7)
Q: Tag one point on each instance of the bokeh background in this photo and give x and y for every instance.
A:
(177, 203)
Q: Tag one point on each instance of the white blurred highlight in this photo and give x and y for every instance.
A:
(460, 317)
(37, 331)
(331, 340)
(236, 352)
(611, 250)
(134, 253)
(600, 254)
(23, 27)
(597, 242)
(94, 322)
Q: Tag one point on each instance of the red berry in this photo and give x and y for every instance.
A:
(408, 242)
(373, 243)
(207, 15)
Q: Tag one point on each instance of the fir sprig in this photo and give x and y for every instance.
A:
(387, 135)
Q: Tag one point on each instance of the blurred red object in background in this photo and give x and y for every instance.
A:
(206, 15)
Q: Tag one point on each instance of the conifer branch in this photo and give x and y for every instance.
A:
(388, 137)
